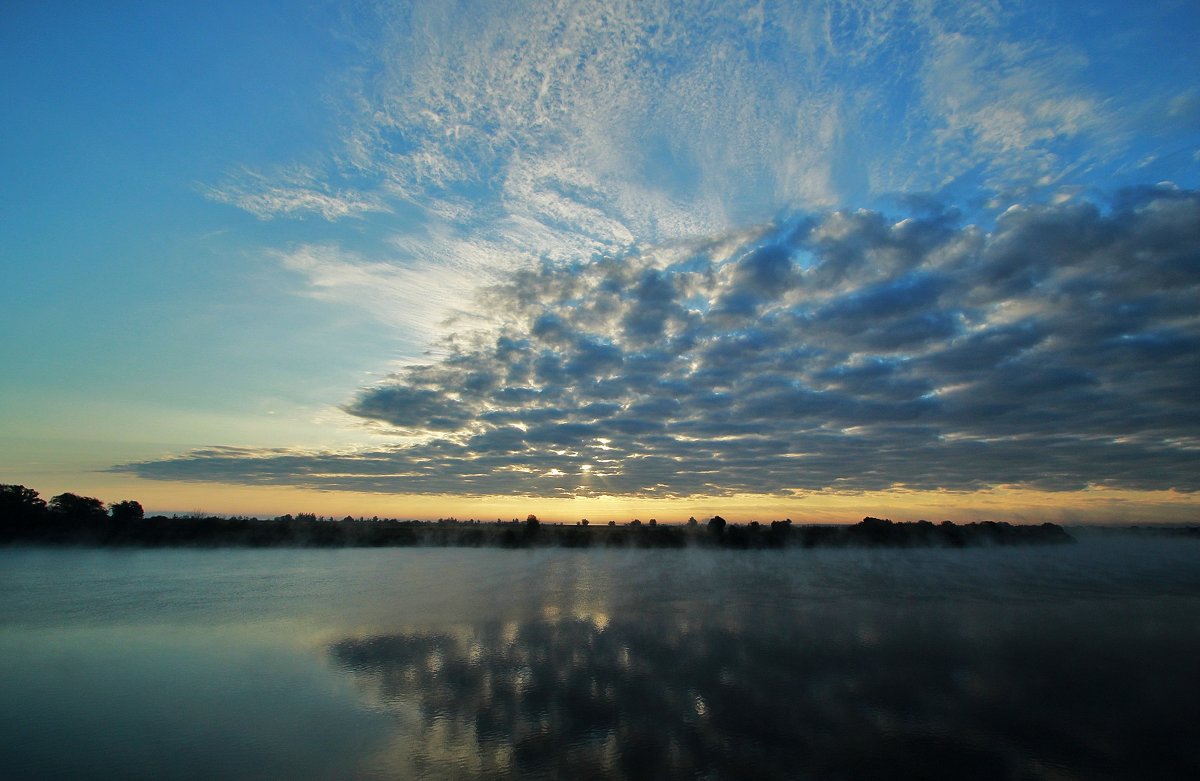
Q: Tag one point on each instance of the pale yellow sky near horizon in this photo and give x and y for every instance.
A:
(1016, 505)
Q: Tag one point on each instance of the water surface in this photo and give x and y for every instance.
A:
(1057, 662)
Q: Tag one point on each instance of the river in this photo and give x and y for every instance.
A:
(1053, 662)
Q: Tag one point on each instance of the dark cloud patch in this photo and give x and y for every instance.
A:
(844, 351)
(889, 300)
(409, 407)
(760, 278)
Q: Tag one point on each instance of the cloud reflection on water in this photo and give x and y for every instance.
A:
(852, 688)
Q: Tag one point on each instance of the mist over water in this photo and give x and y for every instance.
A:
(1057, 662)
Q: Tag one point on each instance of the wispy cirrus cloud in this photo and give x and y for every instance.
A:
(676, 120)
(836, 351)
(1016, 112)
(295, 192)
(418, 301)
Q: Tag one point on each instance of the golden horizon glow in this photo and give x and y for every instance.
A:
(1015, 505)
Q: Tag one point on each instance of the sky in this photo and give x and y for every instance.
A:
(814, 260)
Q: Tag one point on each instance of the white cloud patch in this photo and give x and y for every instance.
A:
(418, 301)
(650, 120)
(298, 192)
(1012, 109)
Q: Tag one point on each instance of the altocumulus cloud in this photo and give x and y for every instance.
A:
(843, 351)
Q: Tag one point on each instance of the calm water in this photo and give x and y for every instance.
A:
(1057, 663)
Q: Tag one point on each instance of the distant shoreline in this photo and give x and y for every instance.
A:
(288, 532)
(82, 521)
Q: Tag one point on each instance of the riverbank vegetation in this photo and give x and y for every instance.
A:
(70, 519)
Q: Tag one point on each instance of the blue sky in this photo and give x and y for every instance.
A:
(440, 258)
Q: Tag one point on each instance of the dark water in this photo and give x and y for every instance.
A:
(1057, 663)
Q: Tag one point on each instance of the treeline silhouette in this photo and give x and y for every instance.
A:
(70, 519)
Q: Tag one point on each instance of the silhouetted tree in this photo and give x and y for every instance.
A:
(876, 531)
(778, 534)
(532, 524)
(128, 510)
(716, 524)
(692, 523)
(17, 501)
(584, 522)
(74, 506)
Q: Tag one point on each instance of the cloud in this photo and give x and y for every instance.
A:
(475, 139)
(834, 351)
(1015, 111)
(647, 121)
(296, 192)
(654, 121)
(413, 298)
